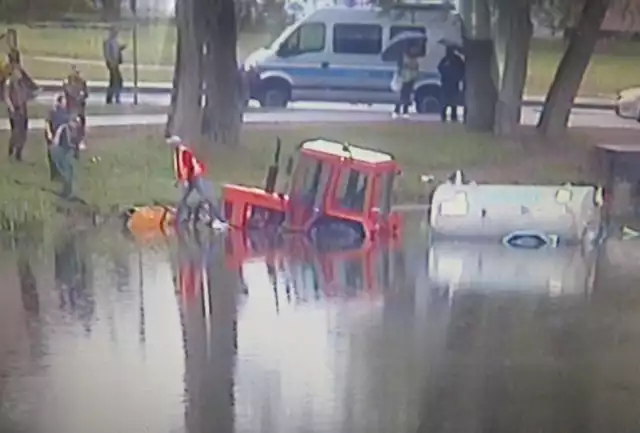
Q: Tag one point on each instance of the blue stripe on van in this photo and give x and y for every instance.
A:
(333, 72)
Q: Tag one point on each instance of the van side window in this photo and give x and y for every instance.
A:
(357, 39)
(396, 30)
(308, 38)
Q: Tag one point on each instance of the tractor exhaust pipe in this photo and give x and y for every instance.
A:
(272, 171)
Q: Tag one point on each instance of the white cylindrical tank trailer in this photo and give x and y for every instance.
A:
(563, 214)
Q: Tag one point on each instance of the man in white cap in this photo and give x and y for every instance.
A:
(190, 173)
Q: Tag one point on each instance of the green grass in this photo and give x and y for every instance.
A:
(614, 66)
(156, 42)
(45, 70)
(40, 111)
(135, 165)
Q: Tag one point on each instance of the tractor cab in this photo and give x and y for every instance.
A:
(336, 191)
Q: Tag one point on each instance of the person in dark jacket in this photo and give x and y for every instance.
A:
(451, 70)
(112, 52)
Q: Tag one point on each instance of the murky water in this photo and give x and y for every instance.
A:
(100, 335)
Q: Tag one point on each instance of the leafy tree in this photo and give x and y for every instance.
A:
(552, 14)
(111, 9)
(574, 63)
(19, 10)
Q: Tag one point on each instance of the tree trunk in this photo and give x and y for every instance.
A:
(480, 85)
(169, 128)
(186, 97)
(514, 33)
(566, 83)
(223, 109)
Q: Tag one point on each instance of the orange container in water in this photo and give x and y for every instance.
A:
(150, 221)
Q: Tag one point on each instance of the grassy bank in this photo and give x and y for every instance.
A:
(40, 111)
(613, 67)
(135, 165)
(48, 70)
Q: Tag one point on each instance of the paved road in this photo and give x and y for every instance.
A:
(93, 62)
(152, 88)
(97, 99)
(163, 99)
(303, 113)
(335, 112)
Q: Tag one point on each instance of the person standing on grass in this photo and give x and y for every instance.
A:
(408, 69)
(451, 70)
(76, 93)
(112, 51)
(58, 116)
(189, 172)
(62, 150)
(13, 59)
(16, 96)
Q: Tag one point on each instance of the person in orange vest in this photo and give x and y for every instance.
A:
(190, 173)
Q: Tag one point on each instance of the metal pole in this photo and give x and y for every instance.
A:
(142, 332)
(134, 10)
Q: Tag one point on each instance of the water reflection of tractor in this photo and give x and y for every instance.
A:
(339, 195)
(350, 273)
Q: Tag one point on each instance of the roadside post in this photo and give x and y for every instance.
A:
(134, 11)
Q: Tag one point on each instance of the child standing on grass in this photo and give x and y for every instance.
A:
(62, 150)
(76, 93)
(57, 117)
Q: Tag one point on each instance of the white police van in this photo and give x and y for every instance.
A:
(334, 54)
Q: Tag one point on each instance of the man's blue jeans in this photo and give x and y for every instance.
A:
(199, 185)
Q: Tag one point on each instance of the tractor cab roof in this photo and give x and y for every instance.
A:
(346, 151)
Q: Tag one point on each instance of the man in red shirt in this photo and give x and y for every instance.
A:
(190, 173)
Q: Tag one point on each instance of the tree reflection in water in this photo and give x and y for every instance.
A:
(208, 294)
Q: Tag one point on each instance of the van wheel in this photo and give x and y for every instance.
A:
(428, 100)
(275, 94)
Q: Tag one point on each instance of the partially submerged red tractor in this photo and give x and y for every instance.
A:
(338, 194)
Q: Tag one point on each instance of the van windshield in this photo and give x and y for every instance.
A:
(282, 37)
